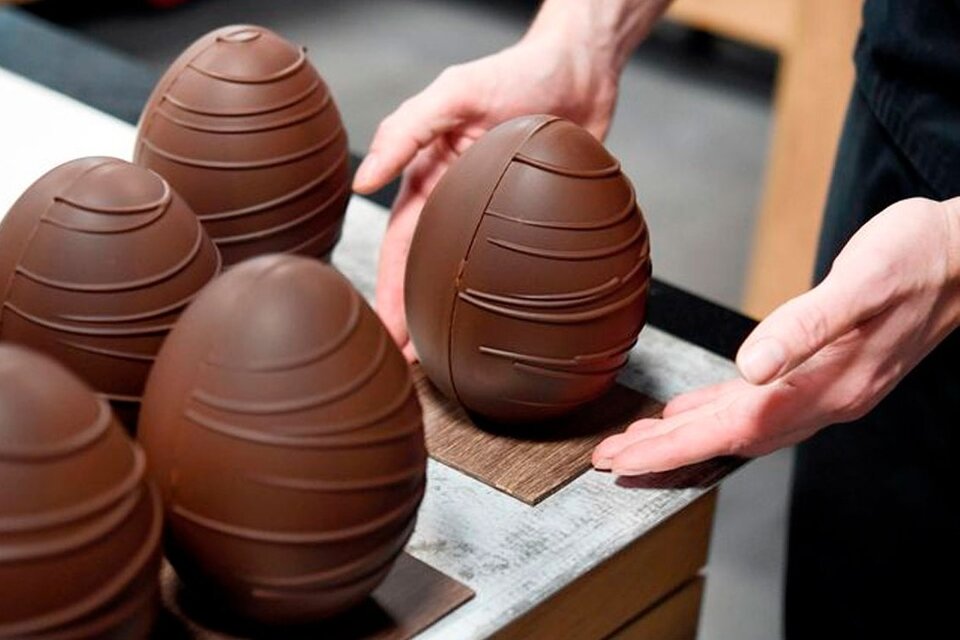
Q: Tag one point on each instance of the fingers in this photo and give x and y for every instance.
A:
(414, 125)
(804, 325)
(391, 268)
(699, 397)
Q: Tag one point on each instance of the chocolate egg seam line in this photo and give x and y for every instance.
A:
(112, 589)
(574, 254)
(244, 165)
(314, 485)
(369, 565)
(299, 441)
(86, 437)
(603, 172)
(298, 360)
(331, 536)
(295, 405)
(239, 113)
(282, 123)
(624, 214)
(297, 65)
(473, 238)
(290, 224)
(559, 300)
(618, 350)
(279, 200)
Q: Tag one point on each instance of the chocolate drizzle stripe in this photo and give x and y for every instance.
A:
(109, 353)
(317, 485)
(566, 374)
(86, 331)
(109, 591)
(303, 439)
(576, 361)
(231, 113)
(319, 240)
(604, 172)
(78, 441)
(245, 165)
(160, 203)
(352, 572)
(555, 318)
(559, 300)
(235, 129)
(80, 510)
(287, 71)
(364, 529)
(298, 404)
(120, 286)
(134, 317)
(290, 224)
(309, 357)
(624, 214)
(133, 226)
(281, 200)
(574, 254)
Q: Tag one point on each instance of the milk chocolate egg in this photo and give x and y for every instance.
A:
(79, 523)
(97, 259)
(281, 424)
(244, 127)
(527, 278)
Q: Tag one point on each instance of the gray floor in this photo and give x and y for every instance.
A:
(691, 131)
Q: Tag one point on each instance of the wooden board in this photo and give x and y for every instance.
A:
(676, 617)
(412, 598)
(764, 23)
(626, 585)
(528, 464)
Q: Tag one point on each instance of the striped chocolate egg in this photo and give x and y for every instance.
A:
(79, 523)
(527, 279)
(97, 259)
(246, 130)
(282, 426)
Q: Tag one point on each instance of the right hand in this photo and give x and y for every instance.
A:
(429, 131)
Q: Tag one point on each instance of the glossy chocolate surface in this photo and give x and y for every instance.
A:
(528, 275)
(282, 426)
(79, 523)
(245, 129)
(97, 260)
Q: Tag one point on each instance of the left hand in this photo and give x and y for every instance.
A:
(826, 357)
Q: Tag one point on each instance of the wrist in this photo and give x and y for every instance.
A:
(951, 209)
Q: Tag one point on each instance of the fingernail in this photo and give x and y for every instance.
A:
(762, 361)
(365, 172)
(602, 464)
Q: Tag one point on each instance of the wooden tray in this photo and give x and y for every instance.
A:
(528, 464)
(413, 597)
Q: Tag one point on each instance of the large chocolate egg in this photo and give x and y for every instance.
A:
(527, 278)
(282, 426)
(79, 523)
(244, 127)
(97, 259)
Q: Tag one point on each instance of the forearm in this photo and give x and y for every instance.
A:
(608, 30)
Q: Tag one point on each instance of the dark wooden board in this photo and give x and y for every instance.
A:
(528, 463)
(413, 597)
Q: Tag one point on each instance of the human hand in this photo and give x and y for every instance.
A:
(826, 357)
(428, 132)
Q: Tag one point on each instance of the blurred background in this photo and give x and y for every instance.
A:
(726, 123)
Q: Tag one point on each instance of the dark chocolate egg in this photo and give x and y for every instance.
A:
(527, 279)
(79, 523)
(97, 259)
(244, 127)
(282, 426)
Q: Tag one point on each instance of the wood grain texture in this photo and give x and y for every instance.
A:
(527, 462)
(676, 617)
(627, 584)
(413, 597)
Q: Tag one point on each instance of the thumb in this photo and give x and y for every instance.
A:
(803, 326)
(414, 125)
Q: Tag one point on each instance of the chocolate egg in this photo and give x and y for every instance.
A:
(97, 259)
(243, 126)
(79, 524)
(527, 278)
(282, 426)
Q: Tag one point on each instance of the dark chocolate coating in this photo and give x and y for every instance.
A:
(79, 523)
(282, 426)
(527, 279)
(245, 129)
(97, 259)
